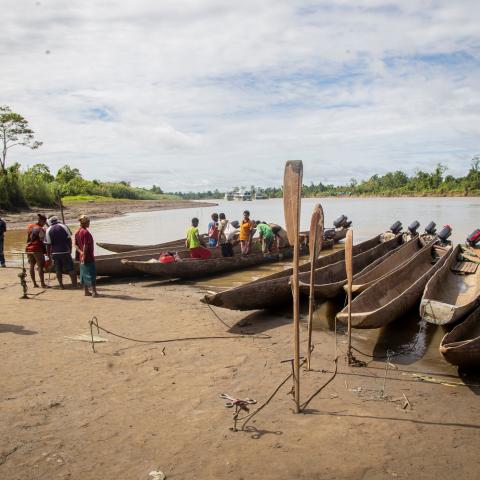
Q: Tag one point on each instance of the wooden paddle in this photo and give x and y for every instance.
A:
(315, 246)
(292, 192)
(349, 269)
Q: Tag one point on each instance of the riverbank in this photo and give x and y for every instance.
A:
(131, 408)
(99, 210)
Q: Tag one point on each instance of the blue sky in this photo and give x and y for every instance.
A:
(192, 95)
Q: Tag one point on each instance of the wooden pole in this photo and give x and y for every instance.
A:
(315, 246)
(292, 191)
(349, 269)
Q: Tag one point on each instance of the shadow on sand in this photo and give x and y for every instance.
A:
(18, 329)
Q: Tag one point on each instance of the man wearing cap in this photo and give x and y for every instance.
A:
(36, 249)
(59, 248)
(84, 253)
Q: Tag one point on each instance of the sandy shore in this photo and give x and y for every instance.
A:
(98, 209)
(130, 408)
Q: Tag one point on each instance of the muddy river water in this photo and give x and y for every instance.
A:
(410, 338)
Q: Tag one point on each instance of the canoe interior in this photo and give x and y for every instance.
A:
(391, 261)
(379, 294)
(453, 288)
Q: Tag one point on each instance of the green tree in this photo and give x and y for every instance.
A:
(40, 170)
(14, 131)
(66, 173)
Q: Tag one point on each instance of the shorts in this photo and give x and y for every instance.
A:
(63, 263)
(227, 249)
(268, 243)
(36, 258)
(212, 242)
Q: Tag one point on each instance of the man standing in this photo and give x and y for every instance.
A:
(84, 246)
(59, 248)
(246, 233)
(225, 235)
(36, 249)
(3, 229)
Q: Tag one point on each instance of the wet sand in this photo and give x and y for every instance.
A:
(130, 408)
(98, 209)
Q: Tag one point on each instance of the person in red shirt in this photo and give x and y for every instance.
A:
(84, 245)
(36, 249)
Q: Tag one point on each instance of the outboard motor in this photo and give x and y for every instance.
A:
(340, 221)
(396, 227)
(444, 233)
(347, 224)
(413, 227)
(430, 228)
(329, 233)
(474, 238)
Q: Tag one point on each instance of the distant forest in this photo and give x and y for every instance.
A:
(396, 183)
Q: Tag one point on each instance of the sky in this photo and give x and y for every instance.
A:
(204, 94)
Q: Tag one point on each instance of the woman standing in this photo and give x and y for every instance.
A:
(84, 253)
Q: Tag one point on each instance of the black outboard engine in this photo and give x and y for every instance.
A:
(340, 221)
(444, 233)
(413, 227)
(347, 224)
(329, 233)
(396, 227)
(430, 228)
(474, 238)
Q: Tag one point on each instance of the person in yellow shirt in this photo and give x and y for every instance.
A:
(246, 233)
(195, 243)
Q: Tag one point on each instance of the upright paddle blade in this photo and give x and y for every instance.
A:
(292, 191)
(315, 238)
(349, 269)
(315, 246)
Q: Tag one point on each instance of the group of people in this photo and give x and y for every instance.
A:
(49, 240)
(225, 234)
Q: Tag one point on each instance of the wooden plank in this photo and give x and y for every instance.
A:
(464, 267)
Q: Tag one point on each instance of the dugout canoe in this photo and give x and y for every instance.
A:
(194, 268)
(329, 280)
(461, 346)
(383, 266)
(398, 292)
(450, 296)
(125, 247)
(273, 291)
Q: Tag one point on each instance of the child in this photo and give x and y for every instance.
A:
(195, 243)
(246, 230)
(213, 231)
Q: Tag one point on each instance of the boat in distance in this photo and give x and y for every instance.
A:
(273, 291)
(396, 293)
(453, 291)
(461, 346)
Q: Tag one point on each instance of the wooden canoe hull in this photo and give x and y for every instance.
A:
(449, 297)
(461, 346)
(329, 280)
(273, 291)
(194, 268)
(386, 264)
(395, 294)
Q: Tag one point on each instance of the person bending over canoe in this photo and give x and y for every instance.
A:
(195, 243)
(213, 231)
(226, 232)
(281, 236)
(84, 247)
(266, 236)
(246, 233)
(36, 249)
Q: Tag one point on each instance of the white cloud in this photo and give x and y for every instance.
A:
(205, 94)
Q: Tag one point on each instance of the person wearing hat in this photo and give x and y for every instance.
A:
(58, 239)
(36, 249)
(85, 255)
